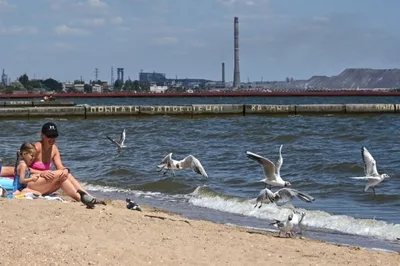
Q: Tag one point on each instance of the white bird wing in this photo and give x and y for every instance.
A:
(287, 194)
(365, 177)
(115, 142)
(191, 162)
(369, 163)
(266, 194)
(279, 162)
(268, 166)
(122, 138)
(166, 162)
(120, 142)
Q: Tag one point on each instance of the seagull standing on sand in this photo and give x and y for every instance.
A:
(189, 162)
(371, 173)
(121, 141)
(88, 200)
(282, 195)
(271, 171)
(285, 227)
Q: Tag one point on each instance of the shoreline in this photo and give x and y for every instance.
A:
(61, 233)
(332, 93)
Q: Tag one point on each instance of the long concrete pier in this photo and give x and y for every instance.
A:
(28, 110)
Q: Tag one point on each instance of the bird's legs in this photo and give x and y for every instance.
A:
(162, 168)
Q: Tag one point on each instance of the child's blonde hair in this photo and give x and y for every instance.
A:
(25, 147)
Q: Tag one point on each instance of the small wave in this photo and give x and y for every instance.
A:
(166, 185)
(205, 197)
(135, 192)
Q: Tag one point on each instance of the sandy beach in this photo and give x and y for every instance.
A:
(54, 233)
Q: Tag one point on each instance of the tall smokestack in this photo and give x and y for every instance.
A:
(236, 74)
(223, 74)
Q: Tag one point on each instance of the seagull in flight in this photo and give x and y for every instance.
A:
(271, 171)
(189, 162)
(121, 141)
(371, 173)
(282, 195)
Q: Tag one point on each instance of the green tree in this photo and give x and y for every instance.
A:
(129, 85)
(135, 85)
(118, 84)
(144, 86)
(53, 85)
(17, 85)
(24, 79)
(34, 83)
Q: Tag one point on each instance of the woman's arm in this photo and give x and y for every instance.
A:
(57, 158)
(58, 163)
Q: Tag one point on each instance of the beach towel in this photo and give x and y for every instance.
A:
(32, 196)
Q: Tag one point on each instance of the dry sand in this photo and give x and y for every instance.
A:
(42, 232)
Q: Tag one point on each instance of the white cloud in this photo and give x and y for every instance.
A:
(117, 20)
(98, 4)
(5, 5)
(65, 30)
(89, 22)
(168, 40)
(57, 4)
(232, 3)
(18, 30)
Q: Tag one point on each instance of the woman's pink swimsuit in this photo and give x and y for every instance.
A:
(41, 166)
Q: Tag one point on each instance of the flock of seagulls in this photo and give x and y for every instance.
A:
(272, 178)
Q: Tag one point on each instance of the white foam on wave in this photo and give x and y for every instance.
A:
(316, 219)
(136, 193)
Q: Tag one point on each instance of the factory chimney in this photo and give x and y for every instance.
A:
(236, 74)
(223, 74)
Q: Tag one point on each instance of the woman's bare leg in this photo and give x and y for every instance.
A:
(76, 184)
(28, 190)
(45, 186)
(7, 171)
(70, 190)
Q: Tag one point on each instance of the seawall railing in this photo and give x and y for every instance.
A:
(31, 110)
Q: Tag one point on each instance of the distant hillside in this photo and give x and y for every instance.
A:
(352, 78)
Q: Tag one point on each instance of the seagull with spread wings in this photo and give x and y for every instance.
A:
(121, 141)
(189, 162)
(271, 171)
(282, 195)
(371, 173)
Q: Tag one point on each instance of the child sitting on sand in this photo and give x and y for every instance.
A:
(22, 176)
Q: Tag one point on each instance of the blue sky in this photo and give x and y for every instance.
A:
(66, 39)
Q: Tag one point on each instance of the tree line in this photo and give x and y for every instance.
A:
(50, 84)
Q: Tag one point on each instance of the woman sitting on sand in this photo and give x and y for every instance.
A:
(46, 153)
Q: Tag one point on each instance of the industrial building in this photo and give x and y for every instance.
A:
(152, 77)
